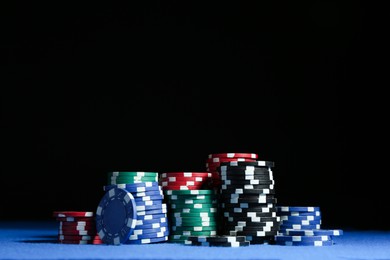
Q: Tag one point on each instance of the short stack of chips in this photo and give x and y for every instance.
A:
(301, 226)
(214, 161)
(247, 201)
(151, 210)
(219, 241)
(77, 227)
(192, 205)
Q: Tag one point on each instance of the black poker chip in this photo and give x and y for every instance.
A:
(268, 202)
(251, 233)
(217, 239)
(242, 177)
(215, 244)
(268, 190)
(246, 187)
(251, 221)
(261, 240)
(246, 164)
(255, 202)
(271, 213)
(243, 170)
(235, 182)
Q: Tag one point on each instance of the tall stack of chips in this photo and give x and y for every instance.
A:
(247, 200)
(151, 224)
(192, 204)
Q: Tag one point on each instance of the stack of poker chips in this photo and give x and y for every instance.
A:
(214, 161)
(301, 226)
(77, 227)
(192, 205)
(247, 201)
(151, 224)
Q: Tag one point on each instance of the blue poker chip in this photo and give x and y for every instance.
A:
(314, 232)
(306, 243)
(156, 192)
(149, 230)
(302, 238)
(299, 226)
(153, 225)
(116, 216)
(300, 214)
(149, 198)
(300, 222)
(299, 218)
(150, 216)
(160, 206)
(149, 235)
(297, 209)
(148, 240)
(135, 187)
(151, 221)
(149, 202)
(152, 212)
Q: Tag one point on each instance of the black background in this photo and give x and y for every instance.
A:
(159, 86)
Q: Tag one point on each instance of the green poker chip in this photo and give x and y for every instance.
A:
(190, 192)
(132, 174)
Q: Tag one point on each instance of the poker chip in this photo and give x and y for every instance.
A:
(155, 234)
(233, 155)
(137, 174)
(148, 240)
(152, 212)
(314, 232)
(305, 243)
(135, 187)
(248, 165)
(65, 214)
(302, 238)
(217, 239)
(143, 231)
(141, 222)
(297, 209)
(217, 244)
(74, 237)
(116, 216)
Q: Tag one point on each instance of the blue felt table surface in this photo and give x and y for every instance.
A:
(37, 240)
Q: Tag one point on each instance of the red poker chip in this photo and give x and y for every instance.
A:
(75, 219)
(175, 187)
(185, 174)
(64, 214)
(234, 155)
(75, 237)
(195, 179)
(89, 227)
(219, 160)
(77, 232)
(77, 223)
(77, 242)
(195, 186)
(180, 183)
(78, 229)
